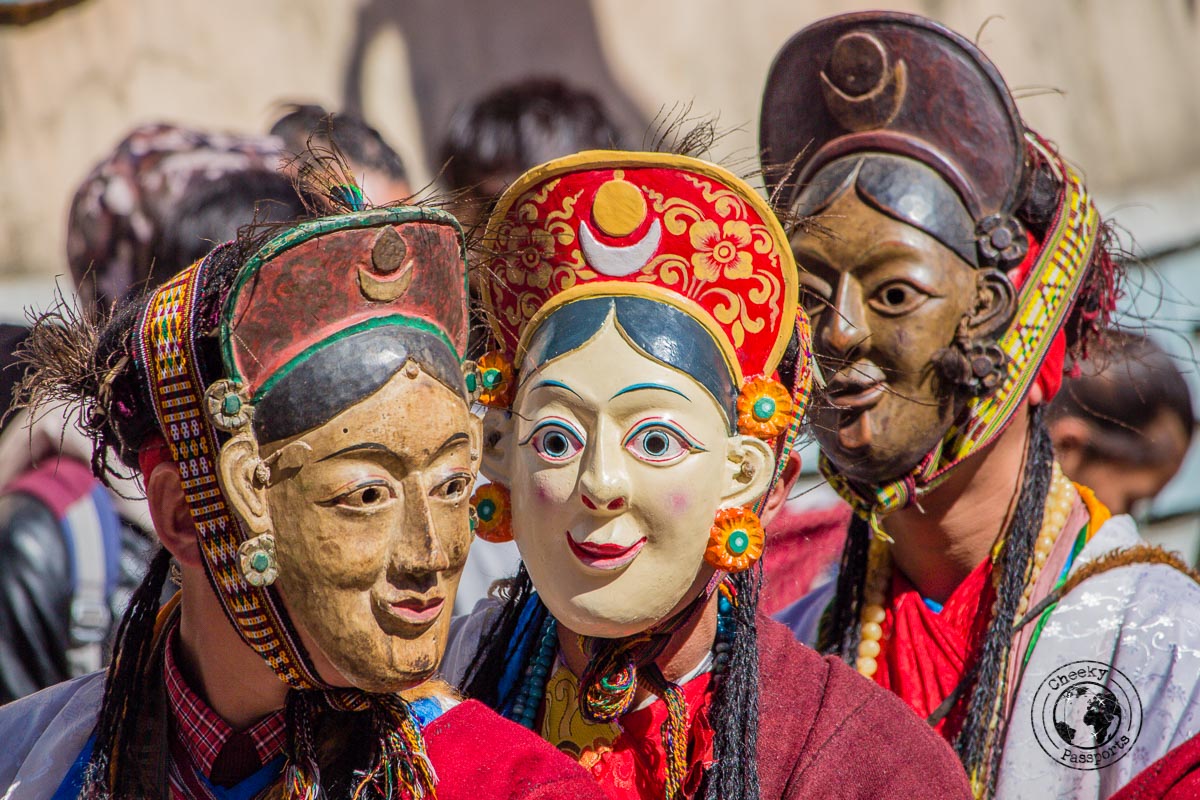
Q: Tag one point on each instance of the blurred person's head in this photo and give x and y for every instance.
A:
(511, 129)
(213, 212)
(11, 368)
(1123, 426)
(376, 165)
(123, 210)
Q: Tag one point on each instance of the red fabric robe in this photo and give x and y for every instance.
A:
(1175, 776)
(824, 732)
(827, 733)
(479, 755)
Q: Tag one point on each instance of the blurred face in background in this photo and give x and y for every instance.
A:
(1124, 466)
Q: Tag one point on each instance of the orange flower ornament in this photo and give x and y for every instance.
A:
(495, 380)
(764, 408)
(493, 513)
(735, 540)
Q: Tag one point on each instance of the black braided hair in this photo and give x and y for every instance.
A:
(839, 632)
(124, 693)
(978, 744)
(734, 776)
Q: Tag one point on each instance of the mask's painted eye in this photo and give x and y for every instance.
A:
(368, 497)
(453, 489)
(659, 442)
(555, 440)
(897, 297)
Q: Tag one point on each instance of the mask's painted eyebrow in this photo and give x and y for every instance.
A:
(637, 387)
(451, 441)
(375, 447)
(555, 385)
(368, 447)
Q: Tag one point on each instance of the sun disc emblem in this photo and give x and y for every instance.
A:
(619, 208)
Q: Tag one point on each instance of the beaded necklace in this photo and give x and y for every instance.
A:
(542, 656)
(1059, 501)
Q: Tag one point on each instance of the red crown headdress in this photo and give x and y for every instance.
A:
(669, 228)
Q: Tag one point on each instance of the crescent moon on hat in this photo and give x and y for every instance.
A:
(617, 261)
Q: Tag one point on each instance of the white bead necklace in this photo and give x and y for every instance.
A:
(1060, 499)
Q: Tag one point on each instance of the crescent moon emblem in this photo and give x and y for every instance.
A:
(619, 261)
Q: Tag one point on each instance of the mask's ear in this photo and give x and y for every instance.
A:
(749, 463)
(499, 428)
(241, 477)
(995, 304)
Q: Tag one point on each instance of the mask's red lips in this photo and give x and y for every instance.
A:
(607, 555)
(417, 609)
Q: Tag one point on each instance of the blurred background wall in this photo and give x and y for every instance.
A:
(1115, 83)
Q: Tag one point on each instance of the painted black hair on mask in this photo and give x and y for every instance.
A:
(659, 331)
(904, 189)
(346, 372)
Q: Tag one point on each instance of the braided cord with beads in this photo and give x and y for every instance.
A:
(674, 731)
(537, 671)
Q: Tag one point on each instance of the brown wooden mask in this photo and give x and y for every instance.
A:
(903, 140)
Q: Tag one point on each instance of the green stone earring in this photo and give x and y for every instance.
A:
(257, 559)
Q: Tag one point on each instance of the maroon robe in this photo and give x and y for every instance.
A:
(826, 732)
(1175, 776)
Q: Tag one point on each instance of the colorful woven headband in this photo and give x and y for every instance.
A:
(387, 274)
(668, 228)
(1045, 299)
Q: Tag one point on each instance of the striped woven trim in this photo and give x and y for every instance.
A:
(166, 349)
(1045, 300)
(801, 394)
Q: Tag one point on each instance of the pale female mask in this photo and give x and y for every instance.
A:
(618, 454)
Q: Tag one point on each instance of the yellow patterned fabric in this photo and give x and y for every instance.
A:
(167, 354)
(564, 726)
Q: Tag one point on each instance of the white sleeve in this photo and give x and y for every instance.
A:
(42, 735)
(1128, 638)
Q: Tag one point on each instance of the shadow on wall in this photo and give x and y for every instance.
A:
(461, 49)
(23, 12)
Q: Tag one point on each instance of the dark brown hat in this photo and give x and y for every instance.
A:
(899, 84)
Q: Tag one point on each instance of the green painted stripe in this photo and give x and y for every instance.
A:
(312, 229)
(377, 322)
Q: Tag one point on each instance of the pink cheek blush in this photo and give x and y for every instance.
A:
(546, 493)
(679, 503)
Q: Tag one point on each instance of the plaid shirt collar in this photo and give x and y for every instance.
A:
(201, 732)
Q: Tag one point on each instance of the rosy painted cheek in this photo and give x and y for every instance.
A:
(679, 503)
(549, 489)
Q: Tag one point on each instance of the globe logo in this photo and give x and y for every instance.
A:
(1086, 715)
